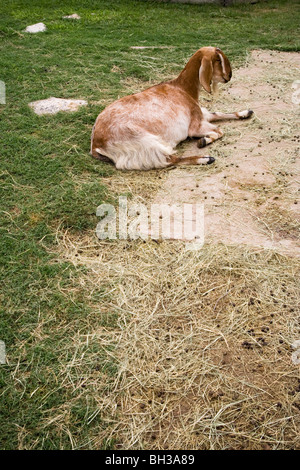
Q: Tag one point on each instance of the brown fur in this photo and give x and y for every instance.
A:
(159, 111)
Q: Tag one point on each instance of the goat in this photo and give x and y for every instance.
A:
(141, 131)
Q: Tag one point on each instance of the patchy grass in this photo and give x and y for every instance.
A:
(62, 316)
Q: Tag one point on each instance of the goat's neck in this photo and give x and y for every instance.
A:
(188, 79)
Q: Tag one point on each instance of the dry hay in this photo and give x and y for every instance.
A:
(203, 344)
(203, 338)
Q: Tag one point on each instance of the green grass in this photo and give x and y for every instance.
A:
(48, 180)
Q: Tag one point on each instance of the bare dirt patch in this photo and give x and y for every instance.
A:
(203, 341)
(257, 160)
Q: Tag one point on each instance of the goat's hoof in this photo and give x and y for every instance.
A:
(246, 114)
(201, 143)
(210, 160)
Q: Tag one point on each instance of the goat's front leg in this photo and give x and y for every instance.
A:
(206, 132)
(211, 117)
(201, 128)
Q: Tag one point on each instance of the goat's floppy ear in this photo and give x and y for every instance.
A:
(226, 67)
(205, 74)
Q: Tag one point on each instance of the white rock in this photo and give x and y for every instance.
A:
(54, 105)
(72, 17)
(36, 28)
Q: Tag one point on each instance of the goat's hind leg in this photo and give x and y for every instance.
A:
(192, 160)
(212, 117)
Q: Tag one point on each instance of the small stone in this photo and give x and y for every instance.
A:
(36, 28)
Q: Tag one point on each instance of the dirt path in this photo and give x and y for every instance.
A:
(251, 195)
(203, 339)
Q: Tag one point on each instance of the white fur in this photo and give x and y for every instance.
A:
(146, 152)
(203, 160)
(222, 62)
(244, 113)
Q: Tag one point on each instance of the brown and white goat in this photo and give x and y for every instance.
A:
(141, 131)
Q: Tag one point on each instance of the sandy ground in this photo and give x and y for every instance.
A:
(252, 197)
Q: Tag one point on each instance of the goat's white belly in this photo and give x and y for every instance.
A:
(170, 125)
(176, 130)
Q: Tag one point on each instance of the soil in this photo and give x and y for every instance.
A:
(251, 193)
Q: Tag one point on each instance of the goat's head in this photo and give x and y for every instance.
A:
(215, 67)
